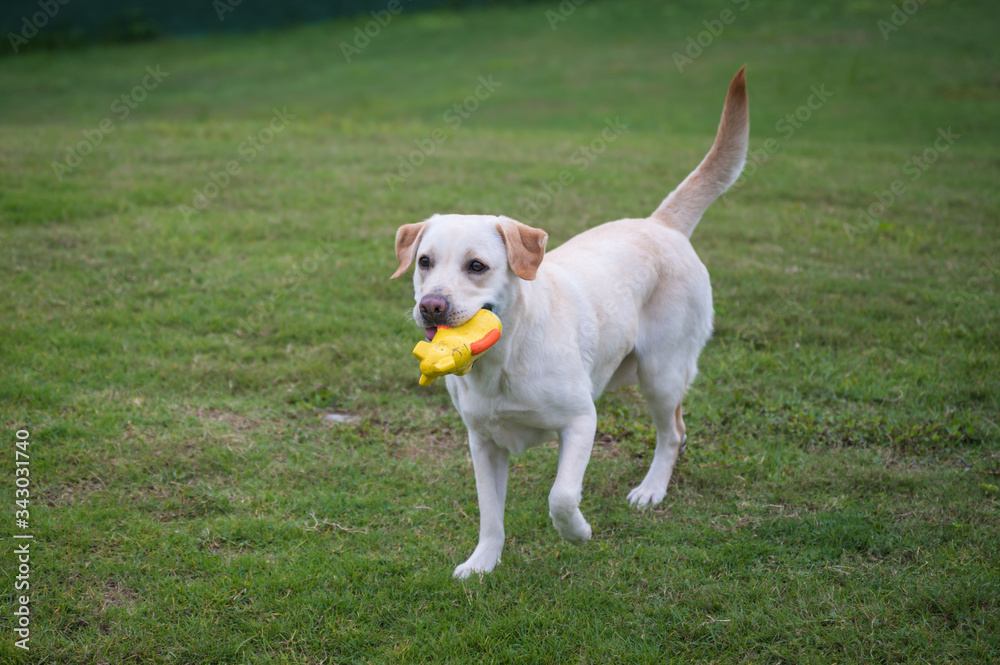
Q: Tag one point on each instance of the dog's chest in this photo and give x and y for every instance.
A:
(514, 424)
(510, 434)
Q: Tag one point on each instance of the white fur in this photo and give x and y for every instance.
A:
(625, 302)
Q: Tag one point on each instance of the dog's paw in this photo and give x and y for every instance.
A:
(647, 494)
(477, 563)
(578, 537)
(574, 530)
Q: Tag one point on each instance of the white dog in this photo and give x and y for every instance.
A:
(625, 302)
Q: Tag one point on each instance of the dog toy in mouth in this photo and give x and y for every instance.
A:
(453, 350)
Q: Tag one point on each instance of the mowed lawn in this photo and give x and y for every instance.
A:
(196, 237)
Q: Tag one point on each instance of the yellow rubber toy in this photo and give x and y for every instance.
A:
(453, 350)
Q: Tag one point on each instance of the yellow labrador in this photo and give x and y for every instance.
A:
(626, 302)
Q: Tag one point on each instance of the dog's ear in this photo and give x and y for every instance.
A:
(525, 247)
(407, 239)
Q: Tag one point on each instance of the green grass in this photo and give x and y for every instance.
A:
(839, 498)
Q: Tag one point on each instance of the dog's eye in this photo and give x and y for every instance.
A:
(478, 266)
(424, 262)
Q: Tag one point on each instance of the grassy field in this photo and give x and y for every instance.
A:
(173, 332)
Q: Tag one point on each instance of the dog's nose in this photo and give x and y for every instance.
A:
(433, 308)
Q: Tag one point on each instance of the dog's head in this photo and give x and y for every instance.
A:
(464, 263)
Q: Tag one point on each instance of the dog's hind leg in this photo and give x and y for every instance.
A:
(663, 391)
(490, 462)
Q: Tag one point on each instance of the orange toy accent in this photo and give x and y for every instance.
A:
(454, 350)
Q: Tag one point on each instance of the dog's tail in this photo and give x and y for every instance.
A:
(683, 208)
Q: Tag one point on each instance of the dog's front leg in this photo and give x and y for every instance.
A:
(575, 443)
(490, 463)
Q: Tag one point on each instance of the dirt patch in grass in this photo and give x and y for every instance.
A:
(609, 446)
(70, 494)
(116, 594)
(237, 421)
(437, 444)
(238, 424)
